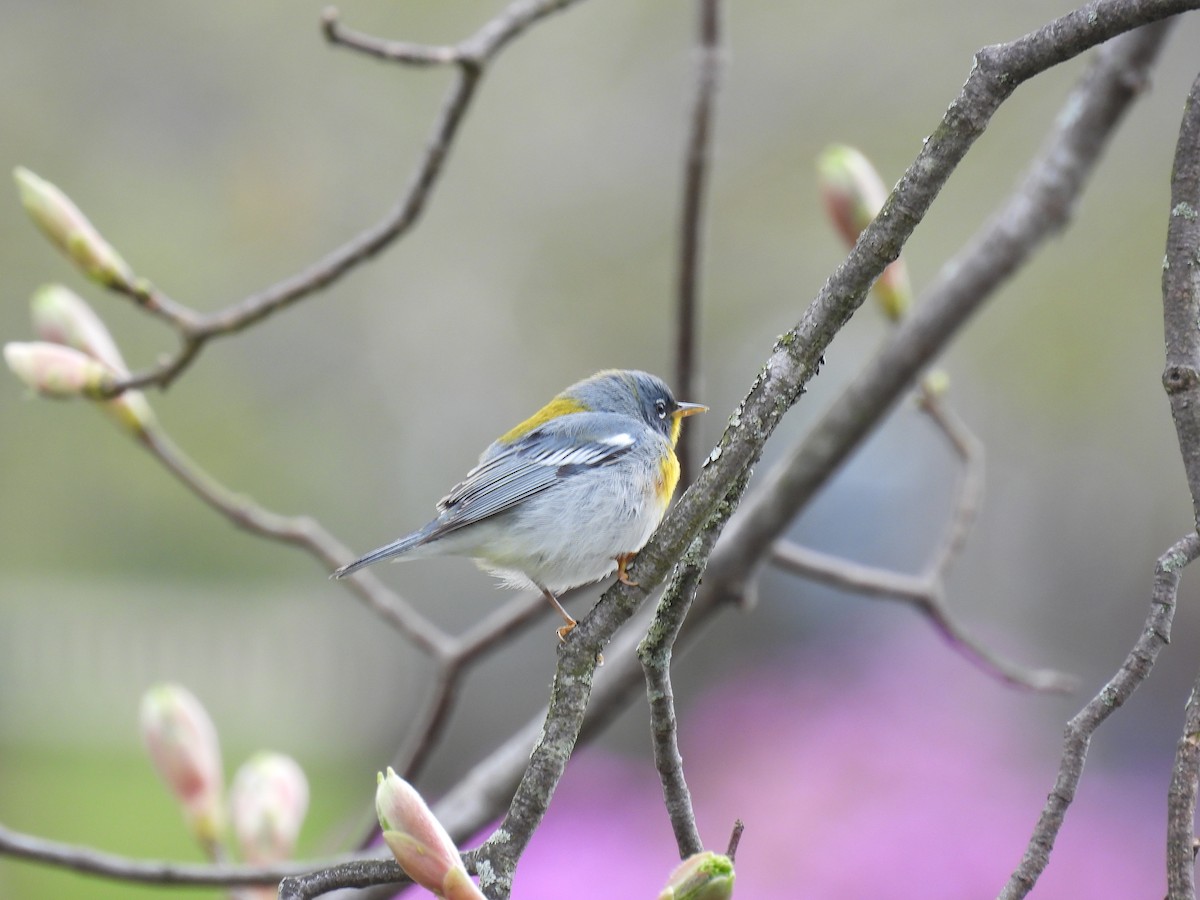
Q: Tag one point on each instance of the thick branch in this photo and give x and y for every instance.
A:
(1181, 296)
(1040, 206)
(1181, 378)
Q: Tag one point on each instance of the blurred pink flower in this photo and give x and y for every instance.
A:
(888, 771)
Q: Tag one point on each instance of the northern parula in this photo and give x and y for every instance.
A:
(566, 497)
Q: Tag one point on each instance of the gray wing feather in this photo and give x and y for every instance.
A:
(533, 464)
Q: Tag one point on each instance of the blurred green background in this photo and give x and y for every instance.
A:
(222, 146)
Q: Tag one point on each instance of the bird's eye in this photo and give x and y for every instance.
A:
(660, 407)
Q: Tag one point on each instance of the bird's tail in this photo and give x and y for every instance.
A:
(389, 551)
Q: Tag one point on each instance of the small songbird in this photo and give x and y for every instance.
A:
(566, 497)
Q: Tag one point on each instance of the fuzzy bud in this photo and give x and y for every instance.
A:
(57, 371)
(702, 876)
(267, 804)
(182, 742)
(854, 194)
(419, 842)
(935, 384)
(69, 229)
(63, 317)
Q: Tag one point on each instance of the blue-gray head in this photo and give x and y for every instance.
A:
(633, 393)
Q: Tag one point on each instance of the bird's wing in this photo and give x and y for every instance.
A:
(510, 474)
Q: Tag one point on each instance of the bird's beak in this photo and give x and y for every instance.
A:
(683, 410)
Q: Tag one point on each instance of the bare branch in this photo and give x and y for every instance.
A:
(1181, 379)
(1181, 805)
(695, 183)
(471, 56)
(926, 595)
(300, 531)
(391, 51)
(1039, 206)
(735, 838)
(1181, 297)
(1156, 634)
(654, 652)
(145, 871)
(926, 592)
(970, 452)
(354, 874)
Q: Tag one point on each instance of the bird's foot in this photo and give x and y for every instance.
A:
(623, 560)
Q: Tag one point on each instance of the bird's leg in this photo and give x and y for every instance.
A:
(566, 629)
(623, 560)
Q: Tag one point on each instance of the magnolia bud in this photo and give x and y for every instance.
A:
(182, 742)
(419, 842)
(63, 317)
(702, 876)
(68, 228)
(854, 194)
(267, 804)
(57, 371)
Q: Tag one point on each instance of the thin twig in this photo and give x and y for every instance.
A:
(300, 531)
(654, 652)
(735, 838)
(926, 595)
(970, 452)
(1181, 379)
(926, 592)
(390, 51)
(147, 871)
(692, 218)
(1156, 634)
(471, 57)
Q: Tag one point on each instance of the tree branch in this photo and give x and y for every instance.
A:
(926, 592)
(1039, 206)
(471, 57)
(1181, 379)
(692, 218)
(654, 652)
(144, 871)
(1156, 634)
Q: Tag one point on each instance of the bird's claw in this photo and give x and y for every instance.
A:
(622, 576)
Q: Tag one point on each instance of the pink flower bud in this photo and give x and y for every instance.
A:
(62, 317)
(702, 876)
(419, 842)
(57, 371)
(854, 194)
(68, 228)
(267, 804)
(182, 742)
